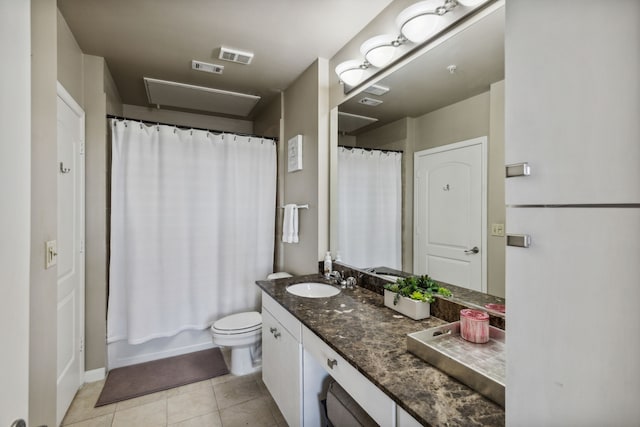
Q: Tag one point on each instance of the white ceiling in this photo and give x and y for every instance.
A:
(160, 38)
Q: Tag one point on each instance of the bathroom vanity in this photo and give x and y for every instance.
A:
(362, 345)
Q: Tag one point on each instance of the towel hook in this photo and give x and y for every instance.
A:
(63, 169)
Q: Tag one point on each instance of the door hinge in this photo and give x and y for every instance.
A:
(81, 345)
(82, 148)
(81, 246)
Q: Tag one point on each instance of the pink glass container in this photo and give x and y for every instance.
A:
(474, 325)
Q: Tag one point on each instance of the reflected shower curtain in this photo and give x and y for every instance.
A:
(192, 228)
(370, 207)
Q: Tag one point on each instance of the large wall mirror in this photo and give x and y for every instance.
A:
(420, 128)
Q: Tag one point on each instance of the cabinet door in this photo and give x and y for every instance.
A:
(573, 99)
(573, 341)
(377, 404)
(281, 367)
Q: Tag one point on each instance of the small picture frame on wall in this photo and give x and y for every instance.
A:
(294, 154)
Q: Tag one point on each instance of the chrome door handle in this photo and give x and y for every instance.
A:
(331, 363)
(473, 250)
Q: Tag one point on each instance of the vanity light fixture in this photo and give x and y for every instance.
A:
(352, 71)
(416, 23)
(380, 50)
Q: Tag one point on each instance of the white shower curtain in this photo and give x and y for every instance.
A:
(192, 228)
(370, 207)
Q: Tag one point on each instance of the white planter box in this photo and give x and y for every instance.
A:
(417, 310)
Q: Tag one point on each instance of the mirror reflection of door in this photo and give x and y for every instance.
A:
(450, 187)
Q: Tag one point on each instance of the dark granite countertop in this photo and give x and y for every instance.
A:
(372, 338)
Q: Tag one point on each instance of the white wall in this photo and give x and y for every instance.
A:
(15, 193)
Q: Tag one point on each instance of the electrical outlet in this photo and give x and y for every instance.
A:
(497, 230)
(50, 253)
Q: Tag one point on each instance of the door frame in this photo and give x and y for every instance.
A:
(483, 142)
(64, 95)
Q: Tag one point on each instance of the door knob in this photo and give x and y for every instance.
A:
(473, 250)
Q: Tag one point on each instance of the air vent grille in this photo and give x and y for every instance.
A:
(370, 102)
(237, 56)
(377, 90)
(209, 68)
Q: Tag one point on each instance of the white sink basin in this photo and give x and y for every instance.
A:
(313, 290)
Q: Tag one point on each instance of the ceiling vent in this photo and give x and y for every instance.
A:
(174, 94)
(370, 102)
(209, 68)
(233, 55)
(377, 90)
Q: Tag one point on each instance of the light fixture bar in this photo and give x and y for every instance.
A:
(416, 23)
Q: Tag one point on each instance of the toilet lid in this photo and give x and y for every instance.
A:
(239, 321)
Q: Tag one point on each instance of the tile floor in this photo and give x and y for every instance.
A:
(226, 401)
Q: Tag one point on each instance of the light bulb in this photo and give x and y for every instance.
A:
(350, 72)
(470, 3)
(379, 50)
(419, 21)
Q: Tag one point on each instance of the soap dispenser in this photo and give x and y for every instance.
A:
(327, 265)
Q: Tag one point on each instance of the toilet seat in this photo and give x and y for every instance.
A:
(239, 323)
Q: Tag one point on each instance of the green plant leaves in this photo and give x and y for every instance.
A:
(418, 288)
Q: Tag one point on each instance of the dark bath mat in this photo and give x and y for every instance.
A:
(149, 377)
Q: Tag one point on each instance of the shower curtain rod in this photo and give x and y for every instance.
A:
(346, 147)
(148, 122)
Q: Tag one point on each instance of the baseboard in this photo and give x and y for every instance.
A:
(94, 375)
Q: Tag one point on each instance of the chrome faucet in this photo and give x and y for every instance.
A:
(345, 283)
(336, 276)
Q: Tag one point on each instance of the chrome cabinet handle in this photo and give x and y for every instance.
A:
(519, 240)
(473, 250)
(272, 330)
(517, 169)
(331, 363)
(276, 334)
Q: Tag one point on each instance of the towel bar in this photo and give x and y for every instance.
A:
(298, 206)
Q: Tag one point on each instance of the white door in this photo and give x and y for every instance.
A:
(450, 212)
(70, 259)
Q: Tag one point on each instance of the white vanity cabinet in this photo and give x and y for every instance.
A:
(296, 365)
(377, 404)
(282, 359)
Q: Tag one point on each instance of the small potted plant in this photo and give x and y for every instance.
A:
(412, 296)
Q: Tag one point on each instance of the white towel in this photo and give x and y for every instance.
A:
(290, 224)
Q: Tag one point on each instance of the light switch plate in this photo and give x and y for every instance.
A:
(50, 253)
(497, 230)
(294, 154)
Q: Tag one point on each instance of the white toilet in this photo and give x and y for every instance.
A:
(243, 333)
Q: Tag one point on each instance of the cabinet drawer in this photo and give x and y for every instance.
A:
(286, 319)
(377, 404)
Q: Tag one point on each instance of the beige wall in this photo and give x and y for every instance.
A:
(306, 112)
(180, 118)
(43, 298)
(69, 61)
(496, 211)
(267, 123)
(96, 221)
